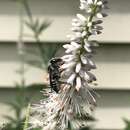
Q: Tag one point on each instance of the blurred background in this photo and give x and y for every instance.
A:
(25, 27)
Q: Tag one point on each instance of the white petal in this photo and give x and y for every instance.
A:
(73, 37)
(64, 66)
(78, 83)
(86, 76)
(92, 63)
(86, 43)
(82, 7)
(46, 127)
(92, 77)
(75, 20)
(76, 45)
(95, 1)
(69, 36)
(83, 1)
(69, 48)
(76, 29)
(90, 1)
(89, 10)
(76, 24)
(99, 15)
(68, 60)
(87, 49)
(89, 24)
(81, 73)
(99, 3)
(71, 78)
(83, 59)
(67, 56)
(68, 51)
(78, 67)
(66, 46)
(78, 34)
(81, 17)
(84, 33)
(53, 125)
(72, 49)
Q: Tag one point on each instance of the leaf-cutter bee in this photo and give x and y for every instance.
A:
(55, 73)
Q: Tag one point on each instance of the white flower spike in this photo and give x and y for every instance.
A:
(76, 97)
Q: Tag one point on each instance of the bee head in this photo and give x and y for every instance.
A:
(56, 61)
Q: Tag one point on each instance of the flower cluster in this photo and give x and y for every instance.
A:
(76, 99)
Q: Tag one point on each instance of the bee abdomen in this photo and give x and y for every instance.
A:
(54, 73)
(55, 86)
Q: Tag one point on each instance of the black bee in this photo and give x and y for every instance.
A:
(55, 73)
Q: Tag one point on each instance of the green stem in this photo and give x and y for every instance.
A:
(20, 40)
(27, 117)
(29, 14)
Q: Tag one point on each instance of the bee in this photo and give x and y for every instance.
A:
(55, 73)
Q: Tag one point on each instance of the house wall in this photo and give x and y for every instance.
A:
(112, 58)
(61, 12)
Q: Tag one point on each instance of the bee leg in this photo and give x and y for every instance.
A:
(61, 70)
(62, 82)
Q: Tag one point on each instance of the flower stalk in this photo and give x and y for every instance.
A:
(76, 99)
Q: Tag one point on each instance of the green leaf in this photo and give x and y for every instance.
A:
(10, 119)
(30, 26)
(127, 123)
(36, 25)
(44, 25)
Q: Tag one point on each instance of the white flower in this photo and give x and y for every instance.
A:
(99, 15)
(84, 33)
(75, 96)
(78, 83)
(53, 125)
(88, 49)
(71, 47)
(82, 18)
(86, 4)
(75, 20)
(92, 63)
(78, 67)
(76, 45)
(86, 76)
(47, 127)
(76, 24)
(67, 56)
(78, 34)
(89, 2)
(89, 24)
(89, 10)
(74, 37)
(99, 3)
(76, 29)
(71, 78)
(89, 77)
(86, 43)
(83, 4)
(67, 65)
(66, 46)
(83, 59)
(36, 123)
